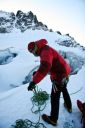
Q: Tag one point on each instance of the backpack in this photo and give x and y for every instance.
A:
(81, 106)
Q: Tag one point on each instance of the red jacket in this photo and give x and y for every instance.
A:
(50, 62)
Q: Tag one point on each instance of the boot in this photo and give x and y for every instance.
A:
(49, 120)
(68, 109)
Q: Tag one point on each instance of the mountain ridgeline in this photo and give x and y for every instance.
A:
(20, 20)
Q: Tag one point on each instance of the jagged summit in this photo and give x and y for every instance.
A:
(20, 20)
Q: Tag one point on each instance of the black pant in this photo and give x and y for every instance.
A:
(55, 99)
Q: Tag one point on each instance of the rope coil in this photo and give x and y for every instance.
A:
(39, 99)
(27, 124)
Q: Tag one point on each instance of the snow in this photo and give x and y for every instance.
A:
(4, 14)
(15, 102)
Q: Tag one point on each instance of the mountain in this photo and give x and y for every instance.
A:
(17, 66)
(24, 21)
(20, 20)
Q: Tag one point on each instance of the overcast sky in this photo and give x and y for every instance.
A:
(66, 16)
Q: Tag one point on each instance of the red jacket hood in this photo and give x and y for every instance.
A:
(40, 44)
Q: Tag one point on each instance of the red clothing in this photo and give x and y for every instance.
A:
(80, 106)
(50, 62)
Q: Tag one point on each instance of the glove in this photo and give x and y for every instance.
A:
(31, 86)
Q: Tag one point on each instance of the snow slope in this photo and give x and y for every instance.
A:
(15, 103)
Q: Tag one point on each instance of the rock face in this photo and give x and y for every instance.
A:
(69, 42)
(7, 21)
(22, 21)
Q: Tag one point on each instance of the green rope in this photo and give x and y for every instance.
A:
(27, 124)
(39, 99)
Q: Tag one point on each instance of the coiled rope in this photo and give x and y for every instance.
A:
(27, 124)
(38, 100)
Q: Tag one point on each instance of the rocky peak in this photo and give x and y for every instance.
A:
(21, 20)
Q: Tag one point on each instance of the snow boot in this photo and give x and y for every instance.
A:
(68, 109)
(49, 120)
